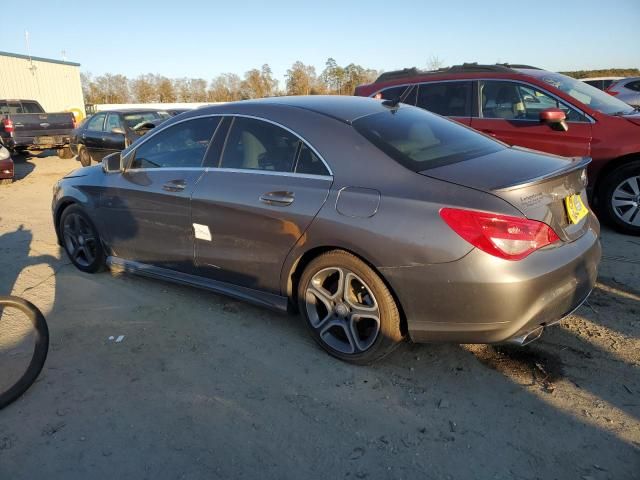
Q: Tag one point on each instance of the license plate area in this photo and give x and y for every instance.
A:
(576, 209)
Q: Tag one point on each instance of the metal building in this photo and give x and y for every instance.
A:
(55, 84)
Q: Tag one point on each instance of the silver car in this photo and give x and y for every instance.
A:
(627, 90)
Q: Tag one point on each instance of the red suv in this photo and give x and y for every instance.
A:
(529, 107)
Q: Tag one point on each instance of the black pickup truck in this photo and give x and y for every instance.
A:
(24, 125)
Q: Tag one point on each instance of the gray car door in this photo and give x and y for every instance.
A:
(146, 208)
(250, 209)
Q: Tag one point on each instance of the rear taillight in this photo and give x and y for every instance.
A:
(612, 92)
(503, 236)
(7, 125)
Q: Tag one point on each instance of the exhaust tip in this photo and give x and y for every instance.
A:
(527, 338)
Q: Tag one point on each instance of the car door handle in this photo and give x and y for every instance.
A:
(174, 186)
(279, 199)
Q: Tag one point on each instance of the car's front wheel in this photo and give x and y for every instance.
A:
(80, 240)
(84, 157)
(620, 198)
(348, 308)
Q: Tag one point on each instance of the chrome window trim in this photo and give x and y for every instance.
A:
(160, 129)
(564, 102)
(170, 169)
(328, 178)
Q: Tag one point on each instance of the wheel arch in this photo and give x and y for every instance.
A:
(298, 266)
(62, 206)
(607, 169)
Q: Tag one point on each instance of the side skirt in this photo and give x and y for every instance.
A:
(263, 299)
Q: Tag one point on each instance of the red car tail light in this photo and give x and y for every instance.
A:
(8, 125)
(503, 236)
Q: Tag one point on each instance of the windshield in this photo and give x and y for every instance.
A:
(135, 118)
(583, 92)
(420, 140)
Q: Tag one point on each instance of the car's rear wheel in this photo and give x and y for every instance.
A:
(80, 240)
(621, 198)
(348, 308)
(84, 157)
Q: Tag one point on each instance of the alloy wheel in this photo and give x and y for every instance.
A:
(342, 310)
(80, 240)
(625, 201)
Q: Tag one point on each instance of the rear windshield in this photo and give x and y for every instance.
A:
(420, 140)
(134, 118)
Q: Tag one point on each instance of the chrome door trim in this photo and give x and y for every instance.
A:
(327, 178)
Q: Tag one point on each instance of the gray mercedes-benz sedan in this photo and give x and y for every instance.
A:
(375, 220)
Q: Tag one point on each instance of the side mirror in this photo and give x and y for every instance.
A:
(112, 163)
(118, 130)
(555, 118)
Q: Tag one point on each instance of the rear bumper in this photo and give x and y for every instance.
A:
(6, 169)
(43, 141)
(484, 299)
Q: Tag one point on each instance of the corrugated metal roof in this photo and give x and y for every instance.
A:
(38, 59)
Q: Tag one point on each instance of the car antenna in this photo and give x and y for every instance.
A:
(393, 104)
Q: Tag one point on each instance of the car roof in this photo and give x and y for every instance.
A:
(340, 107)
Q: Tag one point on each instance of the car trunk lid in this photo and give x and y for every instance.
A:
(536, 184)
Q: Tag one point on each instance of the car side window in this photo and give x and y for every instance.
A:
(517, 101)
(258, 145)
(309, 163)
(182, 145)
(635, 85)
(113, 121)
(31, 107)
(451, 99)
(96, 123)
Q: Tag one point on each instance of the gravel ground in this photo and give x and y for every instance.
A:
(202, 386)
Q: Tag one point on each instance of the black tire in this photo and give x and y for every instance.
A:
(610, 184)
(40, 351)
(373, 292)
(81, 240)
(84, 157)
(65, 153)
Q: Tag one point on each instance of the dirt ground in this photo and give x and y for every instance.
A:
(202, 386)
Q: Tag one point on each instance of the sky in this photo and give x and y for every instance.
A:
(205, 38)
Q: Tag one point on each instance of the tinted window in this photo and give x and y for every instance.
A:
(452, 99)
(310, 163)
(113, 121)
(516, 101)
(258, 145)
(10, 108)
(31, 107)
(419, 140)
(179, 146)
(396, 92)
(96, 123)
(634, 85)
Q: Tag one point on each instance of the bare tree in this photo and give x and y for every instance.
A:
(434, 63)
